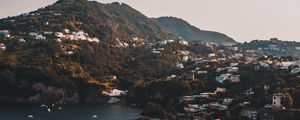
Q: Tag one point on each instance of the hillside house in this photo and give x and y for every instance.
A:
(187, 98)
(234, 64)
(4, 33)
(2, 46)
(156, 52)
(234, 78)
(207, 94)
(211, 55)
(234, 48)
(179, 65)
(238, 55)
(46, 23)
(220, 90)
(232, 69)
(277, 101)
(220, 69)
(222, 77)
(202, 72)
(181, 52)
(227, 101)
(221, 59)
(67, 31)
(22, 40)
(48, 33)
(249, 92)
(217, 106)
(286, 65)
(36, 36)
(274, 47)
(32, 34)
(40, 37)
(115, 93)
(185, 58)
(183, 42)
(59, 34)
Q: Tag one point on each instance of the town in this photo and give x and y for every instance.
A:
(234, 93)
(85, 52)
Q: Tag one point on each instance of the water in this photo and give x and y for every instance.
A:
(74, 112)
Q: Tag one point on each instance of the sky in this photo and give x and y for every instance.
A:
(243, 20)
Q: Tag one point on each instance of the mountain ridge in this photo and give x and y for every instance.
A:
(182, 28)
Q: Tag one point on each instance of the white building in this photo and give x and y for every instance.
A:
(234, 64)
(180, 65)
(220, 90)
(115, 93)
(232, 69)
(277, 100)
(234, 48)
(185, 58)
(234, 78)
(286, 65)
(238, 55)
(207, 94)
(22, 40)
(67, 31)
(222, 77)
(212, 55)
(48, 33)
(40, 37)
(59, 34)
(227, 101)
(202, 72)
(217, 106)
(2, 46)
(183, 42)
(32, 34)
(221, 59)
(5, 33)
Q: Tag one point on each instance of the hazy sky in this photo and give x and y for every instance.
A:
(242, 20)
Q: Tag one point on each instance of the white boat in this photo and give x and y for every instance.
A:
(95, 116)
(30, 116)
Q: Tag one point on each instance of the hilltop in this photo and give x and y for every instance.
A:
(105, 21)
(183, 29)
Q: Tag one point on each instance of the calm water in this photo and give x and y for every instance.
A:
(76, 112)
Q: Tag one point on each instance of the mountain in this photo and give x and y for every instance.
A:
(183, 29)
(69, 51)
(72, 50)
(105, 21)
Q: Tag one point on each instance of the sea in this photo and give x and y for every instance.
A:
(116, 111)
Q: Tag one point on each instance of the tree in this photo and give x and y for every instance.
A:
(288, 100)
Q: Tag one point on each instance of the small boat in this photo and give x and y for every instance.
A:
(95, 116)
(113, 100)
(30, 116)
